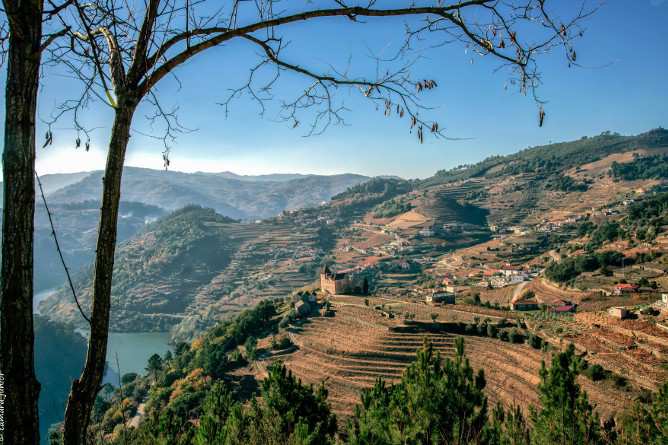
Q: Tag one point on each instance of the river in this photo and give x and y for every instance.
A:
(132, 348)
(130, 351)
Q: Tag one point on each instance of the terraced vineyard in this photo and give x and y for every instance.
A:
(355, 347)
(266, 265)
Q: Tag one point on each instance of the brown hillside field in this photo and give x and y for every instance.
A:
(408, 220)
(602, 166)
(349, 351)
(602, 191)
(549, 293)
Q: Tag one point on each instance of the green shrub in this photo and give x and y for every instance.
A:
(515, 336)
(535, 341)
(595, 372)
(128, 378)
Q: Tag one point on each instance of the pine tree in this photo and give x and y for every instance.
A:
(566, 416)
(435, 402)
(215, 412)
(646, 423)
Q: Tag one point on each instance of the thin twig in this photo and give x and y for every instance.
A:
(60, 252)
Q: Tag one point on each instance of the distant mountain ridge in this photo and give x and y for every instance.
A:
(235, 196)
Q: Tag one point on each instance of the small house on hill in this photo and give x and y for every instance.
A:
(440, 296)
(625, 288)
(565, 308)
(619, 312)
(349, 281)
(525, 304)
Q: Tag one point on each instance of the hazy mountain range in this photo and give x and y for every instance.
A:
(148, 194)
(235, 196)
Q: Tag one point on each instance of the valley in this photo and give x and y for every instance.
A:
(533, 262)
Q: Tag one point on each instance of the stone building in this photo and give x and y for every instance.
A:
(348, 281)
(440, 296)
(619, 312)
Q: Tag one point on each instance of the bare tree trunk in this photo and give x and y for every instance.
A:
(85, 389)
(16, 309)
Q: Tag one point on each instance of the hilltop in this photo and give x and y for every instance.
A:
(236, 196)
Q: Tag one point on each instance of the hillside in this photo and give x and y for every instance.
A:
(239, 197)
(195, 266)
(52, 182)
(552, 158)
(155, 269)
(270, 367)
(408, 233)
(76, 226)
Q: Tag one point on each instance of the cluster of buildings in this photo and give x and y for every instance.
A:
(532, 304)
(504, 277)
(550, 226)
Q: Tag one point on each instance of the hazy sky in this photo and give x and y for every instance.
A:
(622, 87)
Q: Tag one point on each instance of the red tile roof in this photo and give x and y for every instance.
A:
(626, 286)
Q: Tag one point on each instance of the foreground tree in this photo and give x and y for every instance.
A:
(646, 423)
(18, 367)
(26, 43)
(124, 59)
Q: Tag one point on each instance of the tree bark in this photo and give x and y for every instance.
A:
(21, 388)
(85, 388)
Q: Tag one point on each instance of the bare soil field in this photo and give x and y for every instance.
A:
(548, 293)
(349, 351)
(408, 220)
(501, 295)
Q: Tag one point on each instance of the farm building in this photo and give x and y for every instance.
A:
(625, 288)
(564, 308)
(525, 304)
(441, 296)
(619, 312)
(350, 281)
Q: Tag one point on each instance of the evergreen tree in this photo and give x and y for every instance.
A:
(289, 404)
(154, 364)
(507, 428)
(251, 348)
(215, 412)
(435, 402)
(646, 423)
(565, 417)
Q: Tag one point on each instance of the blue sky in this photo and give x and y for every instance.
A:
(621, 87)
